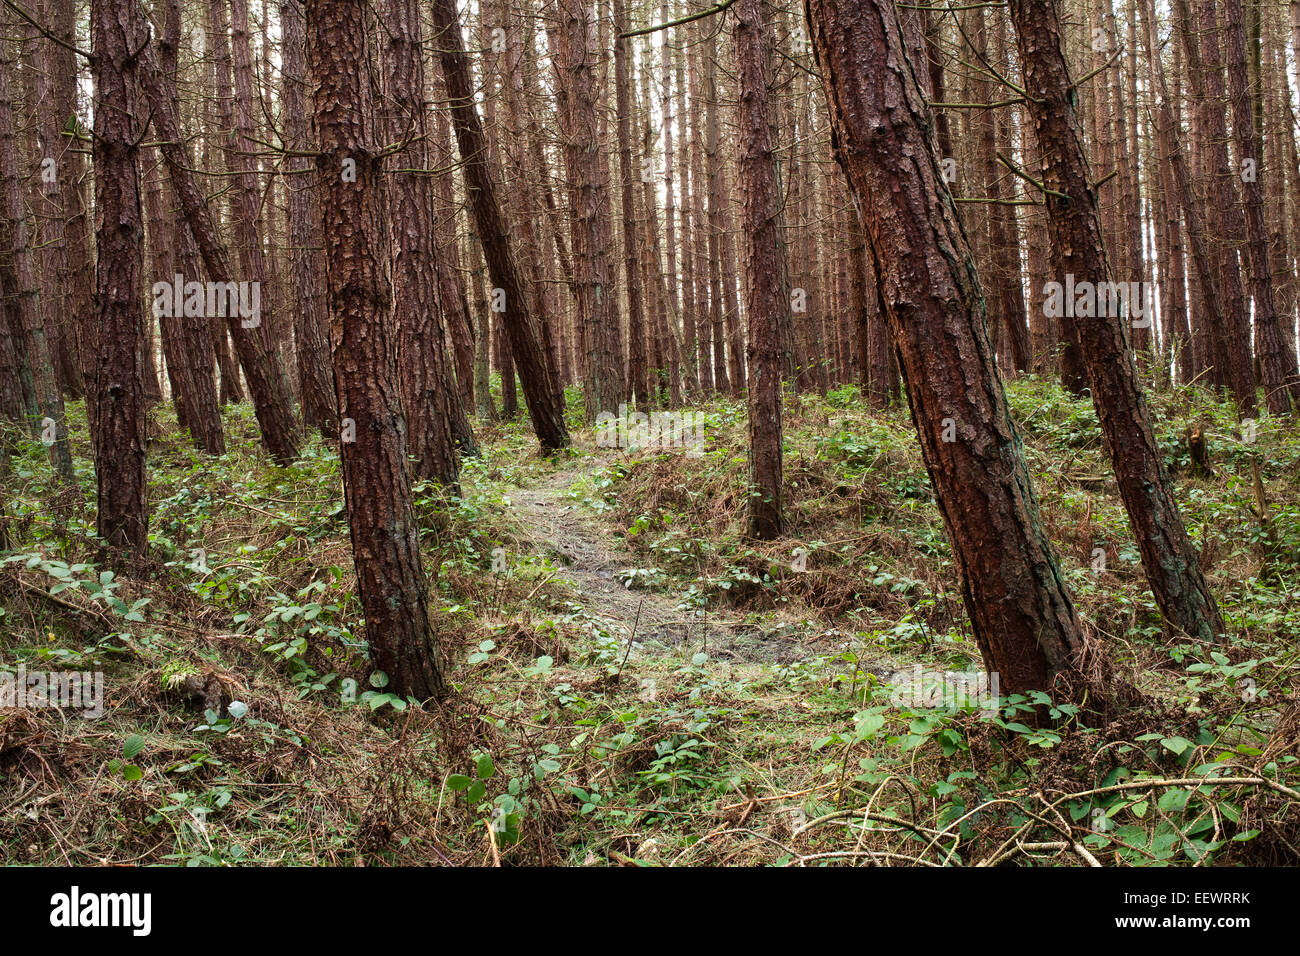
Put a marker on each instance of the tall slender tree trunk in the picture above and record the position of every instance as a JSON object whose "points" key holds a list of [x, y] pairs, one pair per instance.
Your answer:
{"points": [[48, 216], [266, 380], [18, 282], [1074, 224], [526, 342], [589, 203], [117, 31], [75, 269], [637, 372], [1205, 76], [717, 221], [1276, 360], [1021, 611], [376, 486], [306, 245], [430, 398], [767, 285], [192, 345]]}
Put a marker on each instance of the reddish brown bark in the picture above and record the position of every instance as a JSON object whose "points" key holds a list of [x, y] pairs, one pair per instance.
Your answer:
{"points": [[527, 344], [266, 381], [1074, 224], [376, 486], [1205, 76], [1276, 360], [190, 359], [637, 386], [767, 285], [430, 398], [18, 281], [589, 206], [1020, 610], [306, 261], [117, 31]]}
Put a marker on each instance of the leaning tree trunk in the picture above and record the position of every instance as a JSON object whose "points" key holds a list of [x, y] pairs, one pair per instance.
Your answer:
{"points": [[117, 31], [545, 406], [376, 485], [1020, 610], [261, 366], [1077, 248], [767, 285]]}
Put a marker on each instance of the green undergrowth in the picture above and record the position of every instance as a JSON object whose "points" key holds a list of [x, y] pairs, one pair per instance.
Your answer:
{"points": [[772, 723]]}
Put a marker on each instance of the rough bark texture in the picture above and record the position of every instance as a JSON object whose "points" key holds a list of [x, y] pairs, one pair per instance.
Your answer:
{"points": [[191, 334], [18, 283], [589, 204], [49, 213], [429, 394], [1276, 360], [1205, 75], [249, 228], [636, 383], [266, 381], [376, 486], [717, 222], [767, 286], [306, 262], [1077, 248], [526, 342], [1020, 610], [117, 31]]}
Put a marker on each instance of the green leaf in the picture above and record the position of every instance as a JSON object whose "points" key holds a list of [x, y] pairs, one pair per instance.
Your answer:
{"points": [[132, 747], [458, 782], [1173, 800], [484, 767], [132, 772]]}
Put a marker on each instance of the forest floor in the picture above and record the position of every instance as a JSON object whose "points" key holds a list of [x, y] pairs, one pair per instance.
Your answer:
{"points": [[635, 683]]}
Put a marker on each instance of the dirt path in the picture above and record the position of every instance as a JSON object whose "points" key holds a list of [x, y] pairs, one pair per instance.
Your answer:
{"points": [[593, 557]]}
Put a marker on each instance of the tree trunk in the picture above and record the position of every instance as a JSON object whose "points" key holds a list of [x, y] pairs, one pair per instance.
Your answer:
{"points": [[376, 486], [526, 342], [637, 372], [306, 258], [266, 381], [1205, 76], [18, 281], [192, 345], [430, 399], [589, 205], [117, 31], [1077, 249], [767, 285], [1021, 612], [1276, 360]]}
